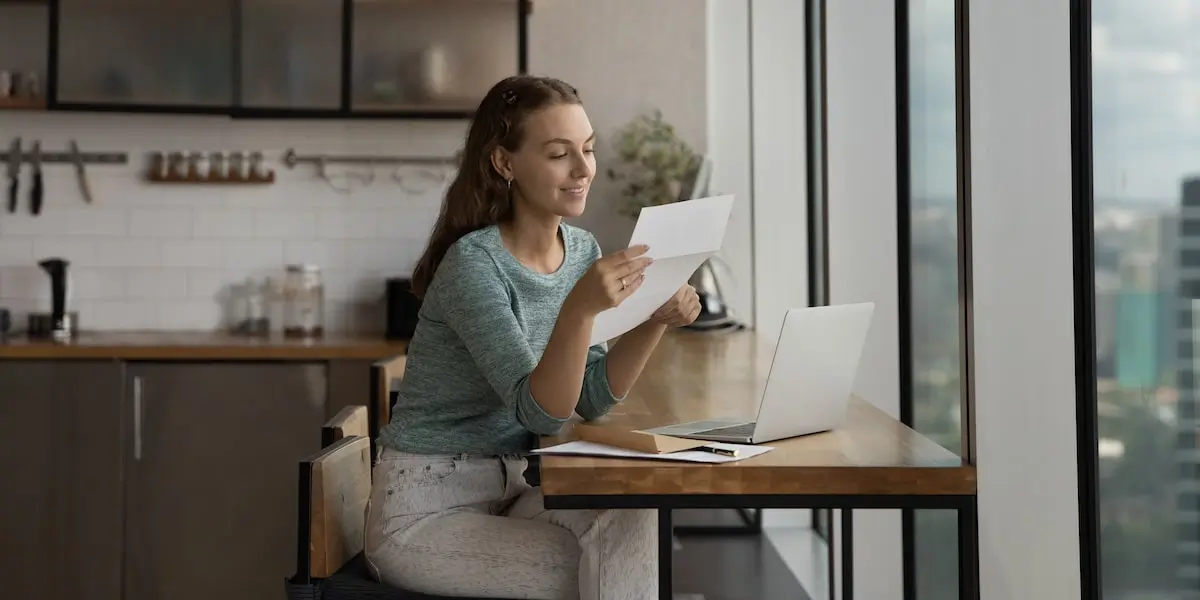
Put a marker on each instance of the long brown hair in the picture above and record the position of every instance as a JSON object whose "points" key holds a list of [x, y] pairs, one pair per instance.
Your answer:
{"points": [[479, 196]]}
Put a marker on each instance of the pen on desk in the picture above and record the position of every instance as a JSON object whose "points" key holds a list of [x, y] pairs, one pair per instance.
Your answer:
{"points": [[721, 451]]}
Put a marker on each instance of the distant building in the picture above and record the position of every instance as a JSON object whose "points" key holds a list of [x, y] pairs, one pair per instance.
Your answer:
{"points": [[1187, 323], [1140, 313]]}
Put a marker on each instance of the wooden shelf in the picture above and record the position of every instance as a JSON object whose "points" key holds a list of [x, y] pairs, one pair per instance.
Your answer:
{"points": [[196, 179], [22, 103]]}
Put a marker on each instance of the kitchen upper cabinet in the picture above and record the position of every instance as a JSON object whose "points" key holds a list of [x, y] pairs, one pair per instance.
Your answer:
{"points": [[167, 54], [291, 54], [24, 47], [283, 58], [61, 459], [431, 56], [211, 509]]}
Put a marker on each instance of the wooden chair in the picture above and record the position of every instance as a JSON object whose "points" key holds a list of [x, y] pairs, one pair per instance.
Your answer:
{"points": [[379, 406], [335, 485]]}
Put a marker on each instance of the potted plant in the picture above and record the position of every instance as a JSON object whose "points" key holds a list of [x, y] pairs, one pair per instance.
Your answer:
{"points": [[652, 163]]}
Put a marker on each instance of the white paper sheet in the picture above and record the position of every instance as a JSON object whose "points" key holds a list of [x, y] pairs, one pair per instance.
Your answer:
{"points": [[681, 236], [582, 448]]}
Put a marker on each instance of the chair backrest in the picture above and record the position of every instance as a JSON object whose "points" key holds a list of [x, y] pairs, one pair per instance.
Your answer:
{"points": [[335, 485], [349, 422], [379, 408]]}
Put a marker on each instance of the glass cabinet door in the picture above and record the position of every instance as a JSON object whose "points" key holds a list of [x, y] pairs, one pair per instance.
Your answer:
{"points": [[145, 53], [291, 53], [430, 55], [24, 31]]}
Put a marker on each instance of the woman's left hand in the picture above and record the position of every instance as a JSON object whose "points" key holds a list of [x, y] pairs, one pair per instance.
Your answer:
{"points": [[682, 309]]}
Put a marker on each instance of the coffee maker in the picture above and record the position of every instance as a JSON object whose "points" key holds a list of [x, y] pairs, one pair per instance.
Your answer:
{"points": [[60, 324]]}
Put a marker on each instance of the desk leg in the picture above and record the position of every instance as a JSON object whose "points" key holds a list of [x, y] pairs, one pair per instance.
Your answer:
{"points": [[666, 549], [968, 549], [847, 555]]}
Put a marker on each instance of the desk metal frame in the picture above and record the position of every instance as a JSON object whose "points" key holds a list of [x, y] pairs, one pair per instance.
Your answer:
{"points": [[965, 505]]}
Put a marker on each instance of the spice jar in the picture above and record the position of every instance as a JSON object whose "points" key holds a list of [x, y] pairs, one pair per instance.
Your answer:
{"points": [[303, 302]]}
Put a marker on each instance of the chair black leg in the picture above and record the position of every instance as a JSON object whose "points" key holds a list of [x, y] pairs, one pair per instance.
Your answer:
{"points": [[666, 549]]}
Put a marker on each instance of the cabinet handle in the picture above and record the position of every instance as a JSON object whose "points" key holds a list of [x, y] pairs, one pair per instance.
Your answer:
{"points": [[138, 414]]}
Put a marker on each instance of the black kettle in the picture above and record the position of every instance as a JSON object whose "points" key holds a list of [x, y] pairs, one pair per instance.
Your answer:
{"points": [[60, 324]]}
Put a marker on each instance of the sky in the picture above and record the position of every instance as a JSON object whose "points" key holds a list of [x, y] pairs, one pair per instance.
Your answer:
{"points": [[1145, 95]]}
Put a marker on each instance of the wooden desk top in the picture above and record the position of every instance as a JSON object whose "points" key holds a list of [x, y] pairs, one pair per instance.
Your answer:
{"points": [[694, 376], [200, 345]]}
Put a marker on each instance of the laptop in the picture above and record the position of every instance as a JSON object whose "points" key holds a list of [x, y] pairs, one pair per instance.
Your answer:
{"points": [[809, 385]]}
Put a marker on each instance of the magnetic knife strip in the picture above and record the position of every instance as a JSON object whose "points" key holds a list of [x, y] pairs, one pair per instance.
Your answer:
{"points": [[14, 158]]}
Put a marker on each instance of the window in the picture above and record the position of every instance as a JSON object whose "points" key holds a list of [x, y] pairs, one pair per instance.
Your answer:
{"points": [[1145, 61], [818, 224], [930, 279]]}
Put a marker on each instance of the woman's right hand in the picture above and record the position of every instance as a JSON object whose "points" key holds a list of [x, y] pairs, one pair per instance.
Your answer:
{"points": [[609, 281]]}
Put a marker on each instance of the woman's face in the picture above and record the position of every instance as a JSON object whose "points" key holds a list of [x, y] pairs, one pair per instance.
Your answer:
{"points": [[553, 169]]}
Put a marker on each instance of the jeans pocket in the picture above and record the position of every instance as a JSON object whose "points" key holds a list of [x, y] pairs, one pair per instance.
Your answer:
{"points": [[417, 487]]}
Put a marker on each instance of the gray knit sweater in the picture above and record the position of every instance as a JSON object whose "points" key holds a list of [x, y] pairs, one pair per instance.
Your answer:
{"points": [[482, 327]]}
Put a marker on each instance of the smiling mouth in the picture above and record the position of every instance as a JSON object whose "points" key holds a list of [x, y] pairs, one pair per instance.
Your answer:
{"points": [[574, 190]]}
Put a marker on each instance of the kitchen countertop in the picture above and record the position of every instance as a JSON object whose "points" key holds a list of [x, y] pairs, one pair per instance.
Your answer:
{"points": [[201, 345]]}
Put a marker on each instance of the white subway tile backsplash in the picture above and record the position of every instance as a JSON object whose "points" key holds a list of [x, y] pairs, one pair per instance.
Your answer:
{"points": [[94, 284], [121, 314], [15, 252], [173, 223], [322, 253], [193, 315], [157, 284], [96, 221], [150, 256], [126, 252], [223, 223], [347, 223], [252, 254], [26, 282], [284, 223], [79, 251], [208, 284]]}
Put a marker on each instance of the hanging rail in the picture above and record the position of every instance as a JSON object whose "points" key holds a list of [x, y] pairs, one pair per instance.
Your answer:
{"points": [[291, 159]]}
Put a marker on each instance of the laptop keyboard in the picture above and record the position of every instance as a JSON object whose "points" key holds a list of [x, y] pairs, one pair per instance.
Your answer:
{"points": [[745, 429]]}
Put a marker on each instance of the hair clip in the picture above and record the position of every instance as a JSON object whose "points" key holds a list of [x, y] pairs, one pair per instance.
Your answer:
{"points": [[510, 97]]}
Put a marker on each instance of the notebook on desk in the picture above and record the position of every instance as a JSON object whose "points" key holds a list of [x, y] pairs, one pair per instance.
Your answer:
{"points": [[712, 452], [809, 384]]}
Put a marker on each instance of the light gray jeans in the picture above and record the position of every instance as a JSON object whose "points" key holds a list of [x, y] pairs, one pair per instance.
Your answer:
{"points": [[471, 526]]}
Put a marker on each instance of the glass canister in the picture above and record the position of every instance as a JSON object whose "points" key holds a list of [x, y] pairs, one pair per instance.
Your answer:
{"points": [[303, 302]]}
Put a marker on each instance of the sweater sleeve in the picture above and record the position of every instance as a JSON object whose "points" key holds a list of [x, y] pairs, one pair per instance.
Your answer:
{"points": [[596, 397], [476, 304]]}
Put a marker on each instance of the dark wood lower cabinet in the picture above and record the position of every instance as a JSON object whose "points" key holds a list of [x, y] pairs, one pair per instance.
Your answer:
{"points": [[210, 497], [157, 481], [62, 492]]}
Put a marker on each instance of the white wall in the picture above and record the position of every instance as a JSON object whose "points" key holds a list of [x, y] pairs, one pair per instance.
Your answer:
{"points": [[729, 135], [1024, 344], [161, 257], [780, 161], [625, 61], [861, 99]]}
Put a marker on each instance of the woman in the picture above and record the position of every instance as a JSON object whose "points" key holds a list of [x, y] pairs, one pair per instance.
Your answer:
{"points": [[500, 355]]}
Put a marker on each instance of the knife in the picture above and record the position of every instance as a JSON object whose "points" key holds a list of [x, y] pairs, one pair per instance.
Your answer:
{"points": [[35, 194], [14, 174], [77, 158]]}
